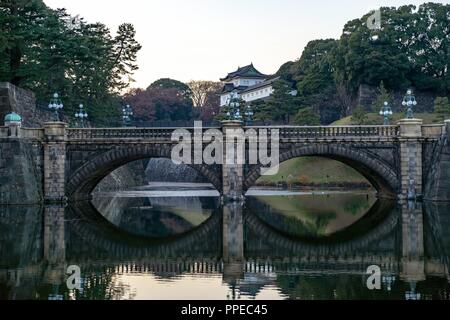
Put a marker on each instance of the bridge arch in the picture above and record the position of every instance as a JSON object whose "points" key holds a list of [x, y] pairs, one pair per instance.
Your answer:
{"points": [[84, 180], [380, 174]]}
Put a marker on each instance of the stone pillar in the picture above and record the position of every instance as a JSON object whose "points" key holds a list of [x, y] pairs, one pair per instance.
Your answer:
{"points": [[55, 161], [233, 243], [447, 127], [413, 263], [233, 160], [13, 130], [411, 159]]}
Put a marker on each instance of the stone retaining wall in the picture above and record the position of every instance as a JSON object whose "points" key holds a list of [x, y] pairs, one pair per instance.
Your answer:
{"points": [[20, 172], [438, 180], [367, 95]]}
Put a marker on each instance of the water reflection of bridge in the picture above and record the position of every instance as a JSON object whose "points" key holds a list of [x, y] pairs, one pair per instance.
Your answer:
{"points": [[410, 242]]}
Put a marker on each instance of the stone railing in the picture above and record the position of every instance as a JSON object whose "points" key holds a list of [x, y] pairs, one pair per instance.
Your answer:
{"points": [[433, 130], [120, 133], [297, 132], [157, 134], [25, 133], [4, 132], [286, 132], [32, 133]]}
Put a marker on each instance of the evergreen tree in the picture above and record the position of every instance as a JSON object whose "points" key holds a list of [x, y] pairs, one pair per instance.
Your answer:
{"points": [[382, 97], [411, 48], [359, 116], [281, 105], [442, 107], [49, 51], [307, 117]]}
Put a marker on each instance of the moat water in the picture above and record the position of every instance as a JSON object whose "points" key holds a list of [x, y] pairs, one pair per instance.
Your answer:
{"points": [[177, 241]]}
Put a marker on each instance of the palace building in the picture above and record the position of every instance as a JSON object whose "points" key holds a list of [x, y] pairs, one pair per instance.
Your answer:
{"points": [[247, 83]]}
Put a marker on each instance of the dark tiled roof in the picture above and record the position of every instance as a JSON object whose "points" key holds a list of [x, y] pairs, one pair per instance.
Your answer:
{"points": [[229, 87], [261, 85], [247, 71]]}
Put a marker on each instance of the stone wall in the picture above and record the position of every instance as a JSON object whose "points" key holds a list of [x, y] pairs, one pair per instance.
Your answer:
{"points": [[367, 96], [163, 169], [437, 187], [128, 176], [20, 174], [23, 102]]}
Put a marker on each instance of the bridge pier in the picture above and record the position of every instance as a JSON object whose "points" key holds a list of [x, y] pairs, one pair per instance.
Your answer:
{"points": [[55, 162], [413, 262], [54, 244], [411, 159], [233, 161], [233, 243]]}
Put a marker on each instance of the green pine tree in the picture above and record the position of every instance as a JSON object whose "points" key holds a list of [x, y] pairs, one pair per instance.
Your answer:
{"points": [[281, 105], [359, 116], [307, 117], [49, 51], [382, 97]]}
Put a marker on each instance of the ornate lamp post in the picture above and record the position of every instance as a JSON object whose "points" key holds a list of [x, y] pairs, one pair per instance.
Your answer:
{"points": [[237, 115], [55, 104], [249, 115], [127, 112], [81, 114], [386, 113], [409, 101], [233, 111]]}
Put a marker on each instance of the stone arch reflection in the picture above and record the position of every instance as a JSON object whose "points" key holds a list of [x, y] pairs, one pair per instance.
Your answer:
{"points": [[320, 217], [92, 230], [410, 244], [155, 216]]}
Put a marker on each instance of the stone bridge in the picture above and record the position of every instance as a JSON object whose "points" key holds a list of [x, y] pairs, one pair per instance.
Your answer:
{"points": [[407, 161]]}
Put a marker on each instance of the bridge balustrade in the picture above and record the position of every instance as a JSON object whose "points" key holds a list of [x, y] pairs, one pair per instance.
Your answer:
{"points": [[4, 132], [157, 134], [120, 133], [32, 133], [297, 132], [433, 130], [285, 132]]}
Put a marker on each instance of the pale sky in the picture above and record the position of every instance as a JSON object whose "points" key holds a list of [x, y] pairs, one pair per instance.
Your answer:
{"points": [[206, 39]]}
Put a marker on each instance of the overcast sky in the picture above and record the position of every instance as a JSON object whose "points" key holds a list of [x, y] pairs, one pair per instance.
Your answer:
{"points": [[206, 39]]}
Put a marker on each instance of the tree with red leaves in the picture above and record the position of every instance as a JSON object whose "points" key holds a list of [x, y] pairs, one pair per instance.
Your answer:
{"points": [[161, 103]]}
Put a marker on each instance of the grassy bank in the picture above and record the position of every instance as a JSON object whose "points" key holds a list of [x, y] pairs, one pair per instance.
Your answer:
{"points": [[314, 171], [376, 119]]}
